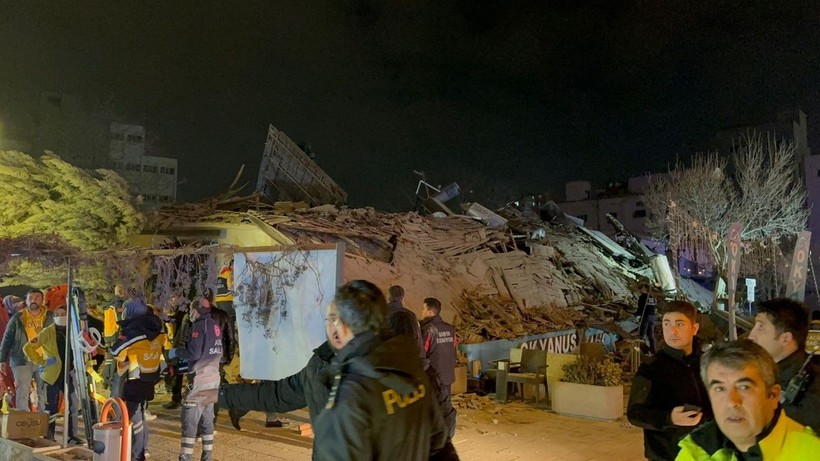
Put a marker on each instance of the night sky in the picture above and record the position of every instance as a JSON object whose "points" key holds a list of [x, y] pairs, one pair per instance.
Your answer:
{"points": [[500, 95]]}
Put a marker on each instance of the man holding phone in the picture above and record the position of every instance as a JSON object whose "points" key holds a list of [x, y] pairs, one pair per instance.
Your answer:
{"points": [[668, 399]]}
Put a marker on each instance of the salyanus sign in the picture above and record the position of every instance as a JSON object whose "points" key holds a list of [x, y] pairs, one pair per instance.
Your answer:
{"points": [[556, 342], [568, 342]]}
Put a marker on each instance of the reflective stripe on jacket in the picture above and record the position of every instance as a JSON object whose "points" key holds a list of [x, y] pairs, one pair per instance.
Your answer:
{"points": [[788, 441]]}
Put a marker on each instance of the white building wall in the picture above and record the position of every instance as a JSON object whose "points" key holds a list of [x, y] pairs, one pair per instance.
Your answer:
{"points": [[578, 190], [586, 210], [127, 143], [152, 178], [628, 209]]}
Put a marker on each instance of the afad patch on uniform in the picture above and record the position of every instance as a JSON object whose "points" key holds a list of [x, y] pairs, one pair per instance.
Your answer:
{"points": [[217, 330], [195, 334]]}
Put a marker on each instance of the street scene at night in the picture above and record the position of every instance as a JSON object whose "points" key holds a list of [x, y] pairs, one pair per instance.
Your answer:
{"points": [[371, 230]]}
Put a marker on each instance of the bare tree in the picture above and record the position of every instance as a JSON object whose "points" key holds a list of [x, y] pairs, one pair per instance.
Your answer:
{"points": [[693, 206]]}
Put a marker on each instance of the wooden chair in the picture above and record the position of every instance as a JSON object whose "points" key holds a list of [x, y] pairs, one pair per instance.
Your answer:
{"points": [[531, 370]]}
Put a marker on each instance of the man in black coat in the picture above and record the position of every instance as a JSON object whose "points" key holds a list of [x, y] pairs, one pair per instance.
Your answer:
{"points": [[398, 313], [313, 386], [380, 406], [781, 327], [439, 338], [668, 399]]}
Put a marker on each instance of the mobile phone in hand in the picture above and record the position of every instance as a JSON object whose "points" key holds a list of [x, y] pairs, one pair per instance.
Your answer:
{"points": [[690, 407]]}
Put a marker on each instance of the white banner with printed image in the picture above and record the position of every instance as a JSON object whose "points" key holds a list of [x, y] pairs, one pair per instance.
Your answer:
{"points": [[281, 298]]}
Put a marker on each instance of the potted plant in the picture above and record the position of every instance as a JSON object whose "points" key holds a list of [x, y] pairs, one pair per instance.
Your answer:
{"points": [[591, 388]]}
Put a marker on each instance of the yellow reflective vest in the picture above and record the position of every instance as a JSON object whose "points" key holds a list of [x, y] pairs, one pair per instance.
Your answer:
{"points": [[40, 348], [788, 441]]}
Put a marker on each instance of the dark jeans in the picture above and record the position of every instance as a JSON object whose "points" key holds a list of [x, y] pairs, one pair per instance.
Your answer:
{"points": [[222, 380], [52, 405], [175, 382], [647, 331]]}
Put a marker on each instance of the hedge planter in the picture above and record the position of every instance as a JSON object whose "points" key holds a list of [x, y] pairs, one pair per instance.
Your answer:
{"points": [[587, 401]]}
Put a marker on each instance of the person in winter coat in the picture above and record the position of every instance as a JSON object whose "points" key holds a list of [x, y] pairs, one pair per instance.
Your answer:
{"points": [[781, 327], [138, 352], [226, 325], [665, 384], [439, 338], [181, 324], [203, 354], [380, 406], [398, 313], [749, 422], [52, 342], [402, 325], [310, 387], [23, 327], [11, 304]]}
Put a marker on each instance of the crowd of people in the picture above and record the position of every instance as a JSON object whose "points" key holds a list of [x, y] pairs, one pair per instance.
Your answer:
{"points": [[750, 399], [378, 360], [379, 387]]}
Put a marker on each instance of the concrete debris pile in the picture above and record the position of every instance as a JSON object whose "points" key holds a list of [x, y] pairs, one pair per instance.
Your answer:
{"points": [[489, 287], [377, 235], [491, 283], [483, 317], [472, 401]]}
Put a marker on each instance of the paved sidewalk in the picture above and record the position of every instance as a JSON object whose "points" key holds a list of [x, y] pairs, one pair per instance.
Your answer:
{"points": [[253, 443], [513, 431]]}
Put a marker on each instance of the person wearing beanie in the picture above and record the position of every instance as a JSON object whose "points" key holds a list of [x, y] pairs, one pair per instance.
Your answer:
{"points": [[138, 351], [203, 353]]}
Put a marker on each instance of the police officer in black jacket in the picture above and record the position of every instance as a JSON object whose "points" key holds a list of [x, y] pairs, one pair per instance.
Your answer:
{"points": [[668, 399], [380, 406], [360, 375]]}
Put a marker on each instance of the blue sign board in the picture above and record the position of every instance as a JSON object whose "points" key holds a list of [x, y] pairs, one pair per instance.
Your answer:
{"points": [[556, 342]]}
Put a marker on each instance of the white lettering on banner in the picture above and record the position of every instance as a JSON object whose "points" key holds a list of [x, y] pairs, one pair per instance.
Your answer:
{"points": [[562, 344]]}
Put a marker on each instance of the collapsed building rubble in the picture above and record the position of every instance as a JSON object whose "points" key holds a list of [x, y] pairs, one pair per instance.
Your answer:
{"points": [[492, 282]]}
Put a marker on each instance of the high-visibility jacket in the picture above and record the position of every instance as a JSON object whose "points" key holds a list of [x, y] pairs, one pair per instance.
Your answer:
{"points": [[112, 314], [40, 348], [138, 351], [787, 441]]}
